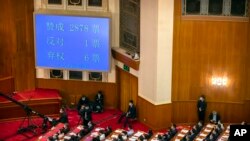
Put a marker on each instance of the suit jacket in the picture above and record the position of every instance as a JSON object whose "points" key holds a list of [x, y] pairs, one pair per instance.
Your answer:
{"points": [[202, 105], [63, 118], [131, 111], [86, 114], [99, 100], [217, 117]]}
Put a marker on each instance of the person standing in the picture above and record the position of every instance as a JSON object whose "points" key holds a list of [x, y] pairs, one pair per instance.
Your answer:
{"points": [[86, 114], [201, 108]]}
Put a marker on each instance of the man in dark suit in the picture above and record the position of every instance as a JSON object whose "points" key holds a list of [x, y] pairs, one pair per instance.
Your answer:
{"points": [[201, 108], [130, 114], [99, 102], [82, 101], [86, 114], [63, 118], [214, 117]]}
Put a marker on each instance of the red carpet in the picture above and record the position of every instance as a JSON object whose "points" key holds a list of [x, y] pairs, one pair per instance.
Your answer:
{"points": [[8, 130]]}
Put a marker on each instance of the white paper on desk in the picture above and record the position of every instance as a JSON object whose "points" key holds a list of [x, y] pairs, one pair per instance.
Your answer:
{"points": [[72, 133], [133, 138], [138, 134], [199, 139], [203, 135], [207, 130], [154, 140], [98, 129], [108, 140], [94, 134], [209, 126], [181, 135], [67, 137], [184, 130], [177, 140], [118, 131], [114, 136], [225, 136]]}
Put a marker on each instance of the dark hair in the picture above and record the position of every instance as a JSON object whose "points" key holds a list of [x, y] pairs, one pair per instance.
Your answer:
{"points": [[131, 101], [174, 125], [203, 96]]}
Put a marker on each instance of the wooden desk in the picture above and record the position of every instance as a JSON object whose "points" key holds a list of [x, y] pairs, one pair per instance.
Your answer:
{"points": [[50, 133], [114, 134], [92, 134], [205, 132], [75, 131], [225, 135], [136, 136], [154, 137], [180, 135]]}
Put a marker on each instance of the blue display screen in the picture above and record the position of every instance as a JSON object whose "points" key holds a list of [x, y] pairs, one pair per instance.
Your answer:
{"points": [[72, 42]]}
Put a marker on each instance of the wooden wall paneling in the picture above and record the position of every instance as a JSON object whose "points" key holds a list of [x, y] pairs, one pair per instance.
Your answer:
{"points": [[72, 90], [230, 112], [7, 85], [202, 49], [128, 88], [124, 90], [155, 116], [6, 40], [17, 51], [247, 114], [24, 67], [248, 58]]}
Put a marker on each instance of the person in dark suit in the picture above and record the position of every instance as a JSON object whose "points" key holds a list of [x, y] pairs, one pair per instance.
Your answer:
{"points": [[99, 102], [172, 130], [130, 114], [82, 101], [63, 116], [201, 108], [86, 114], [214, 117]]}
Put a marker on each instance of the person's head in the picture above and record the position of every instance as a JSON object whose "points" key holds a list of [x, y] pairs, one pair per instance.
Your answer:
{"points": [[243, 123], [150, 132], [108, 128], [211, 137], [202, 98], [83, 98], [62, 110], [173, 126], [131, 103], [200, 123], [66, 125]]}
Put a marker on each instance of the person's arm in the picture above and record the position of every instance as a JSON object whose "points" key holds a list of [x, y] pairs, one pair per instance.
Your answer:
{"points": [[133, 112]]}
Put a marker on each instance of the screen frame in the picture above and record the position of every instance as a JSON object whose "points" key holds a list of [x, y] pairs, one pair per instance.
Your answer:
{"points": [[76, 14]]}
